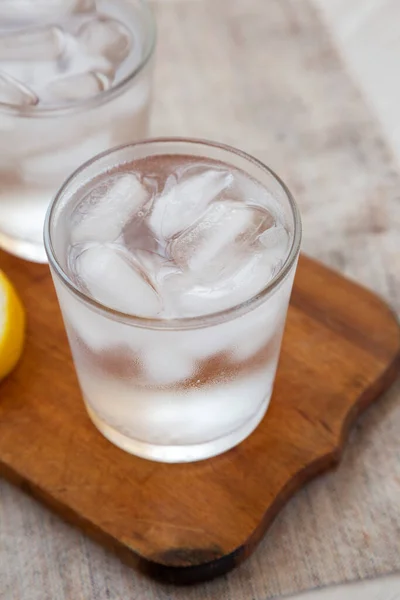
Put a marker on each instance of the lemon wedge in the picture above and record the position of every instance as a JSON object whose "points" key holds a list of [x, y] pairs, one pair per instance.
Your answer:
{"points": [[12, 326]]}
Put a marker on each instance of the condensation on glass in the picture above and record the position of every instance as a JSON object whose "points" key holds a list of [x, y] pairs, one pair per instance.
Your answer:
{"points": [[173, 262]]}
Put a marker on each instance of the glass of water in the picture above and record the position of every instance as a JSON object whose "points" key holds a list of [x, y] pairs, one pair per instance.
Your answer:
{"points": [[173, 261], [75, 79]]}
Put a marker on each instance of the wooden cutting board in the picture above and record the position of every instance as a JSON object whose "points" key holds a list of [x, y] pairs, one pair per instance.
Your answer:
{"points": [[192, 522]]}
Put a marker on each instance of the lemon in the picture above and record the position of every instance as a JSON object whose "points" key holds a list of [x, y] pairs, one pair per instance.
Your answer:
{"points": [[12, 326]]}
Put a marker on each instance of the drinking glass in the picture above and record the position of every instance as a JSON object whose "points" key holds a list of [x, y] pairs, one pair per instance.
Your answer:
{"points": [[232, 354], [40, 144]]}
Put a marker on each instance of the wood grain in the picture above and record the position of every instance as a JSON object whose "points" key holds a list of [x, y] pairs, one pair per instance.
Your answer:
{"points": [[192, 522]]}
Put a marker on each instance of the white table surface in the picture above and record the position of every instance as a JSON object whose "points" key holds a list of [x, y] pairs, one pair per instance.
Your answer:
{"points": [[387, 588], [367, 35]]}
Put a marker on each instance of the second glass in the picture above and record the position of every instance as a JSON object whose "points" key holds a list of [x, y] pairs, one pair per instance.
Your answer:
{"points": [[75, 79]]}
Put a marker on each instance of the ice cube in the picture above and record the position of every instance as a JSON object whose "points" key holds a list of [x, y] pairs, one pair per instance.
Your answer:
{"points": [[221, 259], [104, 212], [156, 265], [99, 333], [260, 326], [109, 276], [218, 229], [204, 343], [166, 365], [76, 60], [106, 37], [253, 193], [15, 93], [220, 240], [276, 241], [42, 43], [95, 331], [235, 287], [79, 86], [182, 203], [251, 275], [34, 75]]}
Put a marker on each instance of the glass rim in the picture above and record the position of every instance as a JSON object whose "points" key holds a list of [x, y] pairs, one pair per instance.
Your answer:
{"points": [[178, 323], [34, 112]]}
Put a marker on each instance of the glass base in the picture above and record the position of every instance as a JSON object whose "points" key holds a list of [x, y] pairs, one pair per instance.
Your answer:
{"points": [[179, 454], [32, 251]]}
